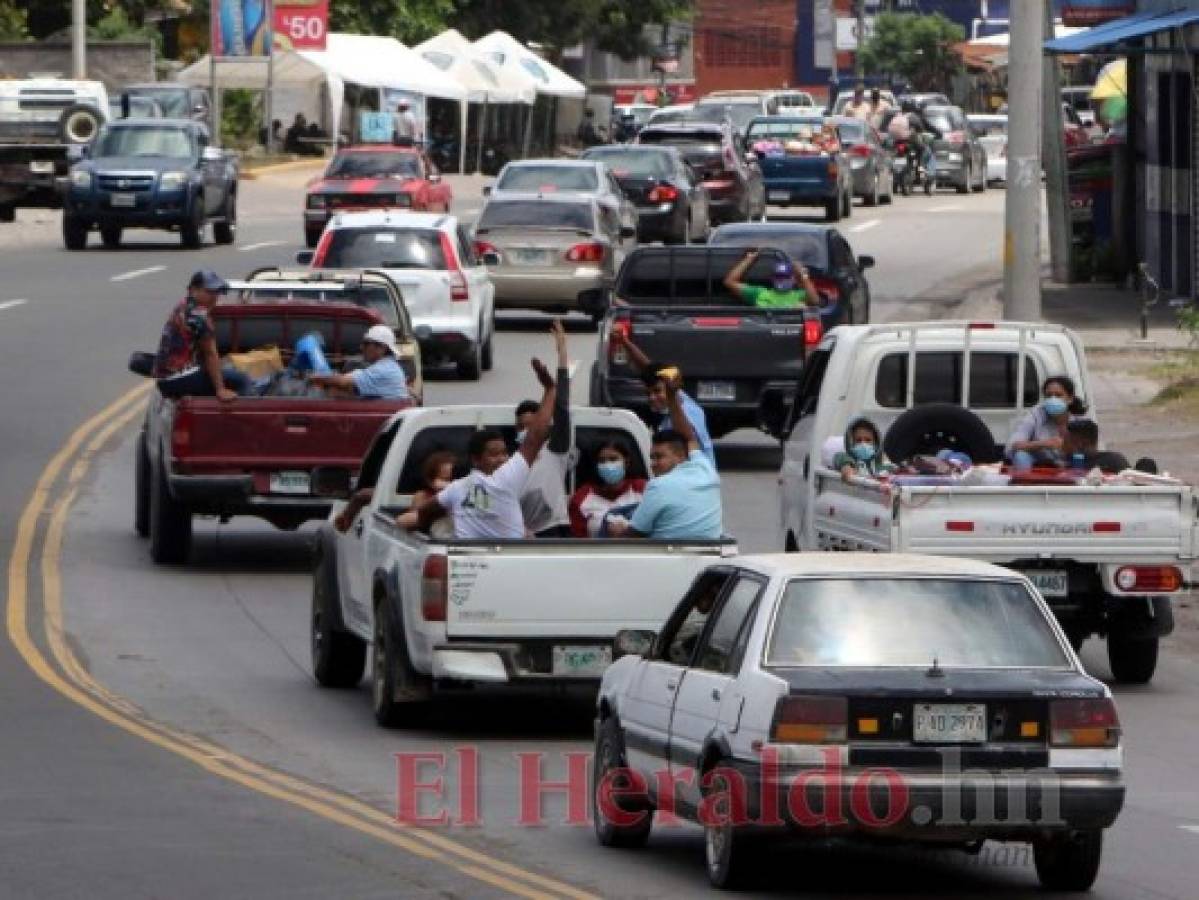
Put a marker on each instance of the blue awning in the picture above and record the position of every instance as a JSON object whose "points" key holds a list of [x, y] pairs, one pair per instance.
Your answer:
{"points": [[1117, 33]]}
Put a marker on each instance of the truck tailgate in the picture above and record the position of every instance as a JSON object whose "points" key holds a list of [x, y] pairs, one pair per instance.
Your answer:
{"points": [[517, 590], [811, 174]]}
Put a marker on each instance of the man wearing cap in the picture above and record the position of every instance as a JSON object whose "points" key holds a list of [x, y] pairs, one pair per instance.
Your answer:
{"points": [[784, 292], [381, 378], [187, 362], [404, 124]]}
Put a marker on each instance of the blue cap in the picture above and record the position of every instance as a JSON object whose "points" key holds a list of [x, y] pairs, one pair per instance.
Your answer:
{"points": [[784, 269], [210, 281]]}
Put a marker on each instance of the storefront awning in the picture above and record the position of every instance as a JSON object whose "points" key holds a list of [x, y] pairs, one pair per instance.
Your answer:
{"points": [[1114, 36]]}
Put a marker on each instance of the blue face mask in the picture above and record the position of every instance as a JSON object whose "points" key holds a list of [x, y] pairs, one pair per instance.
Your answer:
{"points": [[863, 452], [1055, 406], [610, 472]]}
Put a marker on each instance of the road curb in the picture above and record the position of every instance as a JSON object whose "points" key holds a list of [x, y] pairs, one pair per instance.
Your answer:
{"points": [[273, 168]]}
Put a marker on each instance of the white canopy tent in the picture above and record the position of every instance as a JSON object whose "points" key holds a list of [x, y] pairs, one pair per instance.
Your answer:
{"points": [[511, 56]]}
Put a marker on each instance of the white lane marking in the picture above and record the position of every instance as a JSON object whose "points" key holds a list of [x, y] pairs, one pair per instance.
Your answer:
{"points": [[9, 304], [137, 273], [260, 245], [865, 226], [1193, 829], [950, 208]]}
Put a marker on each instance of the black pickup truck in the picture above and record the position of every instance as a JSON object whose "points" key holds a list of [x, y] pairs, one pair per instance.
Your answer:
{"points": [[740, 363]]}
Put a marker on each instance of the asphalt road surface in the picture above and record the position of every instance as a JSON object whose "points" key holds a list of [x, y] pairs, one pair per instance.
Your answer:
{"points": [[163, 736]]}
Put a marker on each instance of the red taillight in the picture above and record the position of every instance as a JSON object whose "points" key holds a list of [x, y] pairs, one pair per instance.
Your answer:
{"points": [[1086, 722], [982, 326], [484, 247], [813, 332], [1106, 528], [663, 193], [1149, 579], [859, 150], [616, 349], [959, 525], [181, 432], [458, 288], [810, 720], [901, 148], [434, 588], [591, 253]]}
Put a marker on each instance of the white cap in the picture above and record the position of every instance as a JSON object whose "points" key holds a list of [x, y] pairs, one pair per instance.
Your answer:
{"points": [[382, 334]]}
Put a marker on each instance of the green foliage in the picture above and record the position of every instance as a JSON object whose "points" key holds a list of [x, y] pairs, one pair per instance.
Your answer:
{"points": [[14, 22], [410, 21], [115, 25], [1188, 323], [916, 48], [241, 117]]}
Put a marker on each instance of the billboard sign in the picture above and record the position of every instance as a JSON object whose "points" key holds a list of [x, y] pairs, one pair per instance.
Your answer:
{"points": [[1086, 13], [301, 24], [240, 28]]}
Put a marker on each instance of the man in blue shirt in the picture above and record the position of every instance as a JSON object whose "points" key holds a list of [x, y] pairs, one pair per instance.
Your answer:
{"points": [[381, 378], [682, 501]]}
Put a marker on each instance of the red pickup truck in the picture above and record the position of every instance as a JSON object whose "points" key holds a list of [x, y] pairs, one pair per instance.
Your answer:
{"points": [[256, 456]]}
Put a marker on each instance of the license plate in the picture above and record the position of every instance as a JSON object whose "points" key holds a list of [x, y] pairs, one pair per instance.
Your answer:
{"points": [[42, 167], [589, 661], [1050, 582], [717, 390], [949, 723], [127, 200], [532, 257], [779, 195], [290, 483]]}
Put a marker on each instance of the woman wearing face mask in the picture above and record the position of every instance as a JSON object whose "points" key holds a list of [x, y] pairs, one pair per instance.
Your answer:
{"points": [[1038, 439], [615, 493], [863, 456]]}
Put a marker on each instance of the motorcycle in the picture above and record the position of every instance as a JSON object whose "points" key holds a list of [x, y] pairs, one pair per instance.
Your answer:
{"points": [[901, 167]]}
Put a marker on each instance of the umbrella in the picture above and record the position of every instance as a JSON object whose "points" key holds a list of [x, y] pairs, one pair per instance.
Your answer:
{"points": [[1112, 81]]}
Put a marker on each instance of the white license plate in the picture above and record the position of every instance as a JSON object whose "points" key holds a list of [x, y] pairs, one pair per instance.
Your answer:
{"points": [[949, 723], [290, 483], [717, 390], [779, 195], [127, 200], [533, 257], [42, 167], [581, 660], [1050, 582]]}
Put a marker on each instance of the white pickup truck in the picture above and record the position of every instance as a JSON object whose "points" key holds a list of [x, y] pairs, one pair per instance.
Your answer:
{"points": [[1106, 557], [448, 615]]}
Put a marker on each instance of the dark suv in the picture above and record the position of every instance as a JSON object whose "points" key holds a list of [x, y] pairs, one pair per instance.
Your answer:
{"points": [[734, 183]]}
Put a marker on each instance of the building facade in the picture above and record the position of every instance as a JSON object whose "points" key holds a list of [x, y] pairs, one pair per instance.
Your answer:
{"points": [[744, 45]]}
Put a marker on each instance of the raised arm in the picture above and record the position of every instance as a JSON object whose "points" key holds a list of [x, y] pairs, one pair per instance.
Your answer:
{"points": [[539, 428], [560, 430], [678, 416], [733, 281], [638, 361]]}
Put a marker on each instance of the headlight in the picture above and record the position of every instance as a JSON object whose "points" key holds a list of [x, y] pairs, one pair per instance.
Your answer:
{"points": [[172, 180], [316, 201], [81, 179]]}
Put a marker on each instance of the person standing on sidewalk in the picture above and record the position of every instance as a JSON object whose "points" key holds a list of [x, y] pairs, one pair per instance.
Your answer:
{"points": [[405, 127]]}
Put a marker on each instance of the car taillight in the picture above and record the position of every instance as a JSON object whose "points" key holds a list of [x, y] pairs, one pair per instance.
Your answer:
{"points": [[810, 720], [616, 349], [1146, 579], [663, 193], [590, 252], [1085, 722], [813, 332], [483, 247], [458, 289], [434, 588], [181, 432], [833, 169], [859, 150], [901, 148]]}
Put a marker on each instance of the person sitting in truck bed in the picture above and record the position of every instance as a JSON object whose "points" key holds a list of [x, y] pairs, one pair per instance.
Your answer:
{"points": [[1040, 436], [863, 454], [614, 494], [1082, 439], [382, 378], [682, 500], [437, 472], [187, 362], [790, 287], [543, 499]]}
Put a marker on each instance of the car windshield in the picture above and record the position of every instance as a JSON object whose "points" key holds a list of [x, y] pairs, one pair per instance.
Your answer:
{"points": [[372, 296], [139, 108], [765, 129], [384, 248], [944, 118], [535, 214], [805, 248], [172, 143], [548, 178], [374, 165], [646, 163], [174, 102], [740, 114], [912, 622]]}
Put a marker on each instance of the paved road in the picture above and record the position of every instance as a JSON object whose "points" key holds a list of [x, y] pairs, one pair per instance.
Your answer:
{"points": [[217, 651]]}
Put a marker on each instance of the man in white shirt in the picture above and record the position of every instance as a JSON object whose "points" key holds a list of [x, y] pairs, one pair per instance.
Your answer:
{"points": [[404, 124], [543, 499]]}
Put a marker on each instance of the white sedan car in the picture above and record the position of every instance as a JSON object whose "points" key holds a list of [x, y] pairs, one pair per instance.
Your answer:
{"points": [[992, 134], [886, 696]]}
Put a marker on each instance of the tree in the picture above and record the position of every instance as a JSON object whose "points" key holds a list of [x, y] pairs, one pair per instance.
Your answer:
{"points": [[14, 24], [917, 48], [411, 21]]}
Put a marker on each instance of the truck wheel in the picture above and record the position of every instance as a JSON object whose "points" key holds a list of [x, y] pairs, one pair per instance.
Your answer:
{"points": [[225, 232], [610, 760], [79, 124], [872, 197], [141, 489], [191, 232], [74, 232], [832, 209], [470, 367], [338, 657], [964, 187], [8, 212], [935, 426], [847, 205], [728, 855], [387, 677], [1069, 863], [1133, 660], [110, 236], [488, 353], [170, 523]]}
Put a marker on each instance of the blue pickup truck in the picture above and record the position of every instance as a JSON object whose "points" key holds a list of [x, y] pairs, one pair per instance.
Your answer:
{"points": [[151, 173], [795, 171]]}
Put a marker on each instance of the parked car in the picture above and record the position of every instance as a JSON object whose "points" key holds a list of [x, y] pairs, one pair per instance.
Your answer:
{"points": [[870, 162], [809, 176], [734, 184], [574, 176], [431, 260], [991, 131], [961, 159], [374, 176], [555, 252], [671, 202], [782, 687], [839, 275], [151, 173]]}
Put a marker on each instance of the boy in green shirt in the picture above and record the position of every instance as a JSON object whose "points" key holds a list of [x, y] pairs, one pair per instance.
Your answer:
{"points": [[785, 292]]}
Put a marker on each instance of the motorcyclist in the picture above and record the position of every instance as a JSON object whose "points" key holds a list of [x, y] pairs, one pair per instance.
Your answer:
{"points": [[920, 141]]}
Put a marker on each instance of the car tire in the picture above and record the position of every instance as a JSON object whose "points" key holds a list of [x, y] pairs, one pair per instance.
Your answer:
{"points": [[934, 426], [832, 209], [847, 205], [225, 231], [1070, 862], [110, 236], [141, 488], [170, 523], [191, 232], [609, 757], [967, 180], [1132, 660], [684, 236], [79, 124], [389, 665], [470, 367], [74, 232], [981, 186], [872, 199], [8, 212], [487, 357], [728, 854], [338, 657]]}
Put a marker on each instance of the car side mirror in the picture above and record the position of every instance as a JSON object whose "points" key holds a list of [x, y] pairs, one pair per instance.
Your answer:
{"points": [[141, 363], [491, 259], [632, 642], [304, 257], [333, 482], [865, 262]]}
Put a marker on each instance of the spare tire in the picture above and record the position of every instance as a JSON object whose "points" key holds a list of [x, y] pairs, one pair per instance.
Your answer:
{"points": [[939, 426], [79, 124]]}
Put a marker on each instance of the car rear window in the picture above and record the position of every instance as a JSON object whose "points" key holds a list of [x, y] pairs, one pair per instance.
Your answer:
{"points": [[646, 163], [535, 214], [945, 118], [374, 165], [993, 378], [781, 130], [665, 277], [538, 178], [955, 622], [808, 249], [374, 297], [681, 138], [384, 248]]}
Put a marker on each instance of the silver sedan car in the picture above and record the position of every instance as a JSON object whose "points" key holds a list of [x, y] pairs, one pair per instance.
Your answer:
{"points": [[575, 176]]}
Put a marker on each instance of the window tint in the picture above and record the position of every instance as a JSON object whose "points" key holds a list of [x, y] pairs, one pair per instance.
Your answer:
{"points": [[372, 463], [384, 248], [541, 178], [842, 255], [806, 248], [716, 653], [374, 165], [685, 626], [172, 143], [655, 277], [373, 296], [536, 214], [808, 394], [939, 380]]}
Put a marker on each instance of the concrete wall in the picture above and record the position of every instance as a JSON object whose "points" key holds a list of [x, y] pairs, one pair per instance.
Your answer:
{"points": [[116, 63]]}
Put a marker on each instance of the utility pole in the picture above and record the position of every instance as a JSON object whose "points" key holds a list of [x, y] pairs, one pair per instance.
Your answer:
{"points": [[79, 39], [859, 8], [1022, 216], [1057, 193]]}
